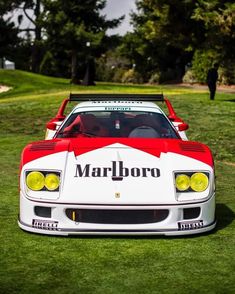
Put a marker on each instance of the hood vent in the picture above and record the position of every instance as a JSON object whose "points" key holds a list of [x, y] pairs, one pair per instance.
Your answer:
{"points": [[44, 145], [192, 147]]}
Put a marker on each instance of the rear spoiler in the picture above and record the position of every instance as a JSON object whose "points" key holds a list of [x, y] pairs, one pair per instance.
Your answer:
{"points": [[60, 116], [118, 97], [126, 97]]}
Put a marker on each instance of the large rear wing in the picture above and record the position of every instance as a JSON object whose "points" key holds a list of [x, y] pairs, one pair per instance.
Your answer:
{"points": [[118, 97], [60, 116], [126, 97]]}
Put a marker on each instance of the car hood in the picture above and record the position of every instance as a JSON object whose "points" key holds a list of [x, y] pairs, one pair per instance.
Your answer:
{"points": [[115, 171]]}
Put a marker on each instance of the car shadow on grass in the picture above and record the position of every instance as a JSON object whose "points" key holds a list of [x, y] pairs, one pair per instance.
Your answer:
{"points": [[224, 216]]}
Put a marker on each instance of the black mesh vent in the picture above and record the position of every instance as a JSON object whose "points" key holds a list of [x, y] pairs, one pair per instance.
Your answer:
{"points": [[44, 145], [42, 211], [117, 216], [195, 147], [190, 213]]}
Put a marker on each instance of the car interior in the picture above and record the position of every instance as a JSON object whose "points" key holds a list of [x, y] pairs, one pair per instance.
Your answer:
{"points": [[117, 124]]}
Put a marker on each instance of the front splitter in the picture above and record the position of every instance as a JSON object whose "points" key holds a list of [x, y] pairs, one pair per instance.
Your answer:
{"points": [[67, 232]]}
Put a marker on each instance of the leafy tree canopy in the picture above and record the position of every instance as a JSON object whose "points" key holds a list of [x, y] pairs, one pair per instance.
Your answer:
{"points": [[218, 18], [77, 26], [168, 33], [8, 31]]}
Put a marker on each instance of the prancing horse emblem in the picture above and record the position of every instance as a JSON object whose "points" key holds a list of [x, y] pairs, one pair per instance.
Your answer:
{"points": [[117, 195]]}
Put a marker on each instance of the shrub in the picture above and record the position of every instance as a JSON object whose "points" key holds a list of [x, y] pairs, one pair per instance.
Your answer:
{"points": [[155, 78], [118, 74], [104, 72], [205, 59], [189, 77], [110, 67], [131, 76], [202, 61], [227, 73]]}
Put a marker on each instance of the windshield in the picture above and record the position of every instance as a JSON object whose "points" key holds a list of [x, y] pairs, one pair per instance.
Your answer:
{"points": [[132, 124]]}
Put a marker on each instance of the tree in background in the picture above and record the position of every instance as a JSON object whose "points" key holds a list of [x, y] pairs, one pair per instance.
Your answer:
{"points": [[34, 6], [59, 30], [32, 36], [168, 35], [164, 37], [8, 31], [218, 19], [77, 28]]}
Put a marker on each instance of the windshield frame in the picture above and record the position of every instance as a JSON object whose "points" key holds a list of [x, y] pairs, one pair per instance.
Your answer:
{"points": [[113, 109]]}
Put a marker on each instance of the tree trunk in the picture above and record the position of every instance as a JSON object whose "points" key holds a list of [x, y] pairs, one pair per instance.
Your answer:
{"points": [[36, 49], [89, 78], [74, 75]]}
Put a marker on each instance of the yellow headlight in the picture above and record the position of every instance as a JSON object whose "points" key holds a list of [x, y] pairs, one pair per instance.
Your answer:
{"points": [[52, 182], [182, 182], [199, 182], [35, 181]]}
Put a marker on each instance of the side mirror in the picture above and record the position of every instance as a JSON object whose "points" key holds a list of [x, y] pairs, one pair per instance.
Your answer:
{"points": [[55, 122], [51, 126], [183, 127]]}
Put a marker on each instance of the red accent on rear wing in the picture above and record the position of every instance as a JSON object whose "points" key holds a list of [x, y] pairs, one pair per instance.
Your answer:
{"points": [[172, 114], [60, 114], [92, 97], [51, 125], [144, 97]]}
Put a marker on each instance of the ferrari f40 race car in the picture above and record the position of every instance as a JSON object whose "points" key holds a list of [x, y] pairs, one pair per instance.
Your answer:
{"points": [[117, 164]]}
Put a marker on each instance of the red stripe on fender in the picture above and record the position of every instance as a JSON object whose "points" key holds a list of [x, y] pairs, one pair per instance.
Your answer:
{"points": [[40, 149]]}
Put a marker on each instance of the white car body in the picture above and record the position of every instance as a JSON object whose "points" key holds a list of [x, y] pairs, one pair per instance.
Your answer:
{"points": [[117, 185]]}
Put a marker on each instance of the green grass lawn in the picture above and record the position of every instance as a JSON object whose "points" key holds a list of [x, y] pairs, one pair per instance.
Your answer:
{"points": [[35, 264]]}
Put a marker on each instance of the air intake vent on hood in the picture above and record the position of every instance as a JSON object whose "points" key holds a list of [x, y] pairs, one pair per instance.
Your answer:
{"points": [[44, 145], [192, 147]]}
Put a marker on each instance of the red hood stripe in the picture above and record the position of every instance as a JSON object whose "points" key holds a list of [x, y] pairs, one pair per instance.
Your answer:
{"points": [[80, 146]]}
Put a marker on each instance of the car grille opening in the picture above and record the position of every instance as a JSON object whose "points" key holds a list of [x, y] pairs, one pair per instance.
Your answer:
{"points": [[113, 216]]}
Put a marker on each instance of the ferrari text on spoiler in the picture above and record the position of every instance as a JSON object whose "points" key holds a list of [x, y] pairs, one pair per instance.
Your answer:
{"points": [[117, 164]]}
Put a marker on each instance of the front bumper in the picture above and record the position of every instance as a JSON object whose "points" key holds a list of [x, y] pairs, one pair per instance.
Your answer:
{"points": [[176, 222]]}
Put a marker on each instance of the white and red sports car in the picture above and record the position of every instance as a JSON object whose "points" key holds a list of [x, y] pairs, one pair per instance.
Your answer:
{"points": [[117, 164]]}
